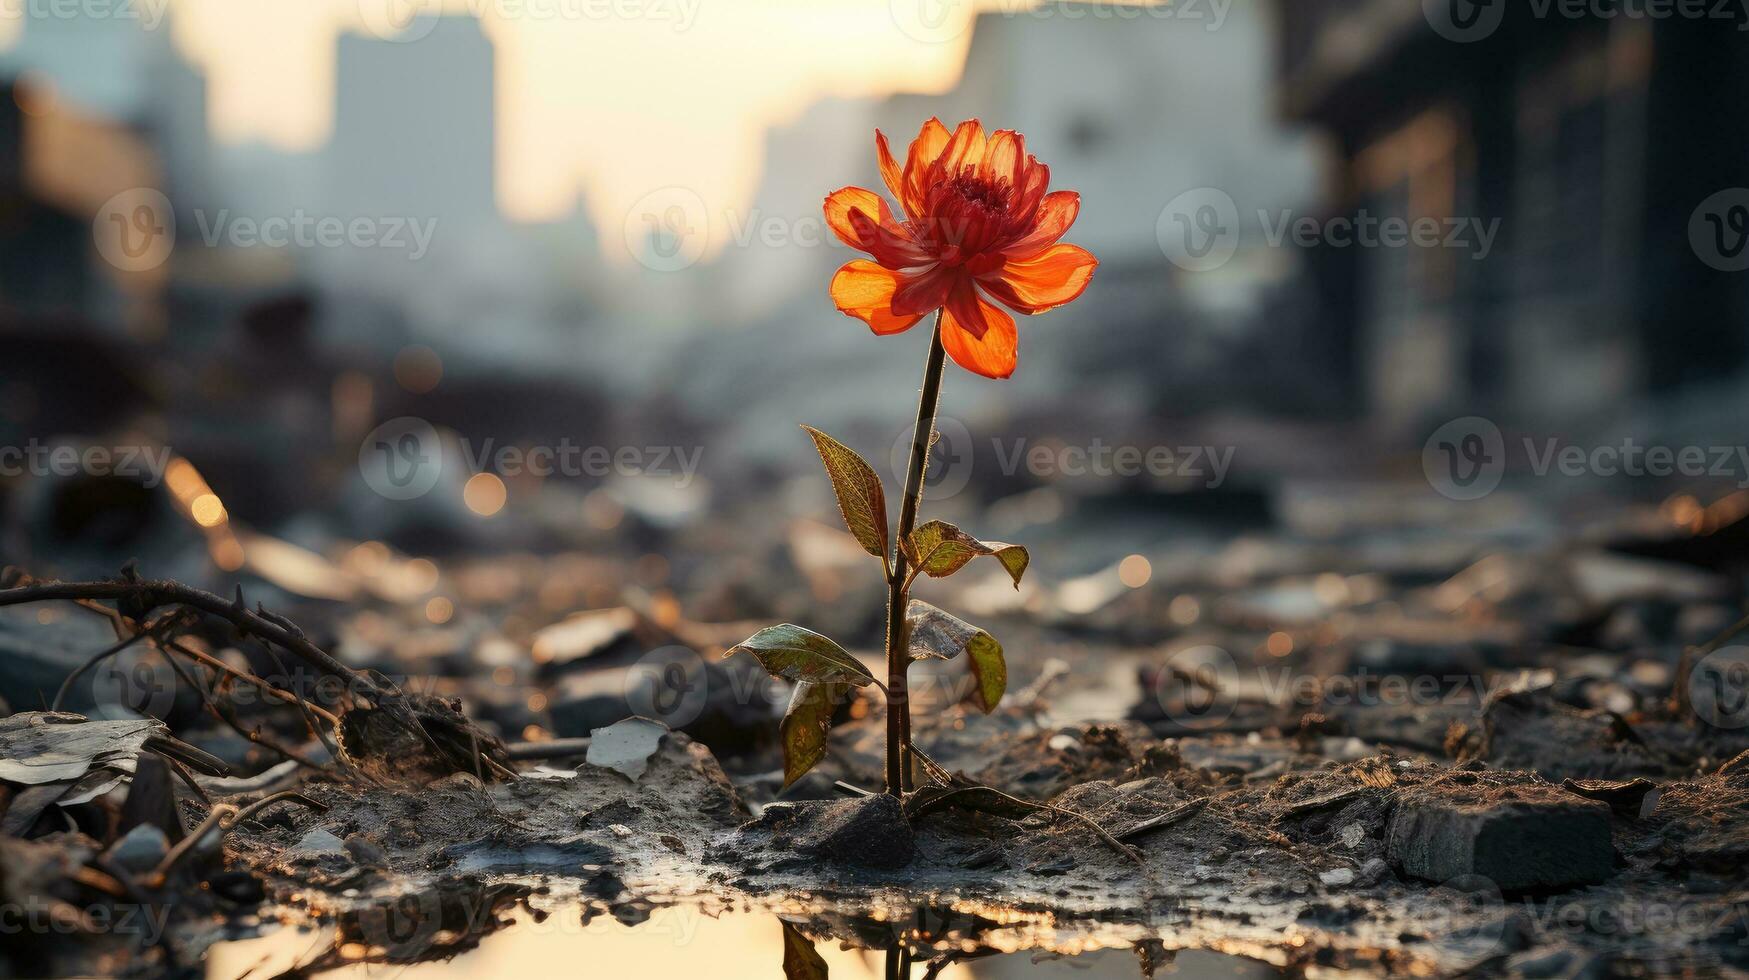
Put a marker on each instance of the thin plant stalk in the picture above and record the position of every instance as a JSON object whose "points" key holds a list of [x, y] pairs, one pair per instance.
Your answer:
{"points": [[898, 582]]}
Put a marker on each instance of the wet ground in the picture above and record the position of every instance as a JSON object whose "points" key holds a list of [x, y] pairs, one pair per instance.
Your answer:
{"points": [[1370, 734]]}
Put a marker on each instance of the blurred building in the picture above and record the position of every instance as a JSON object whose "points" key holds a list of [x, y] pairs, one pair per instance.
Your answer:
{"points": [[128, 72], [1596, 141], [414, 125]]}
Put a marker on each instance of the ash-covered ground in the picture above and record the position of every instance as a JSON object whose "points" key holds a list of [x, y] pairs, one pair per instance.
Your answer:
{"points": [[1351, 731]]}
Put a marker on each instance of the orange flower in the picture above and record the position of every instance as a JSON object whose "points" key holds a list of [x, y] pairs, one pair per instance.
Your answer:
{"points": [[976, 221]]}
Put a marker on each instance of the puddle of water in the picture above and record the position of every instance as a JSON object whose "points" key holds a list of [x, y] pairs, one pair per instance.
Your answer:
{"points": [[674, 941]]}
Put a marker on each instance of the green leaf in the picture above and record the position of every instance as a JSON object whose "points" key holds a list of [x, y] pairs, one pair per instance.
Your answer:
{"points": [[797, 654], [805, 724], [800, 961], [860, 498], [933, 633], [940, 549]]}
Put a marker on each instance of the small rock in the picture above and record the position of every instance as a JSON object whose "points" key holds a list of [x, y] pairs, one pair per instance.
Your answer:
{"points": [[140, 849], [1522, 838], [365, 851], [317, 843], [1352, 835], [465, 781], [626, 746], [1374, 871], [1337, 877]]}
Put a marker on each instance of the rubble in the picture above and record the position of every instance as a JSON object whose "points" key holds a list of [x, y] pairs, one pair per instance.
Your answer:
{"points": [[1424, 765], [1519, 836]]}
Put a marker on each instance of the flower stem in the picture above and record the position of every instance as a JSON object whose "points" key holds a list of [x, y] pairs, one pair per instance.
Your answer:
{"points": [[899, 583]]}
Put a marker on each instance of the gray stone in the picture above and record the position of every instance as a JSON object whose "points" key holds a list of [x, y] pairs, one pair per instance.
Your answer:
{"points": [[1522, 838], [318, 843], [140, 849]]}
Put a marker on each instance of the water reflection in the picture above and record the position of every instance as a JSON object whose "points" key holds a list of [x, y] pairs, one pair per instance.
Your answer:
{"points": [[685, 940]]}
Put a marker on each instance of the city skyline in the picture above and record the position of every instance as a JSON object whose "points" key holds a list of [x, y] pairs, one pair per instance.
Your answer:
{"points": [[704, 88]]}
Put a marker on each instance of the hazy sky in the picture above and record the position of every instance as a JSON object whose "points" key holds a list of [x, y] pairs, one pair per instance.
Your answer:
{"points": [[619, 95]]}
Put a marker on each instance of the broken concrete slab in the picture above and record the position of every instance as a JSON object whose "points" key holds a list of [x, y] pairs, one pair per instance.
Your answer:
{"points": [[1523, 838]]}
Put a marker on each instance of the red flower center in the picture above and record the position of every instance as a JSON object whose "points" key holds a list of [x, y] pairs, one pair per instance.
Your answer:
{"points": [[991, 196]]}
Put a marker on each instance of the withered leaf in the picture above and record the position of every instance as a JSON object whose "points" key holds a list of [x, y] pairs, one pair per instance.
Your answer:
{"points": [[934, 633], [860, 497], [796, 654], [805, 725], [800, 961], [940, 549]]}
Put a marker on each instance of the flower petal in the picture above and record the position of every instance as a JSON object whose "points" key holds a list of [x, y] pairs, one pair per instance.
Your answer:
{"points": [[1003, 157], [841, 202], [925, 150], [1052, 220], [921, 294], [864, 290], [965, 149], [891, 244], [979, 335], [1047, 280], [1035, 179], [891, 173]]}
